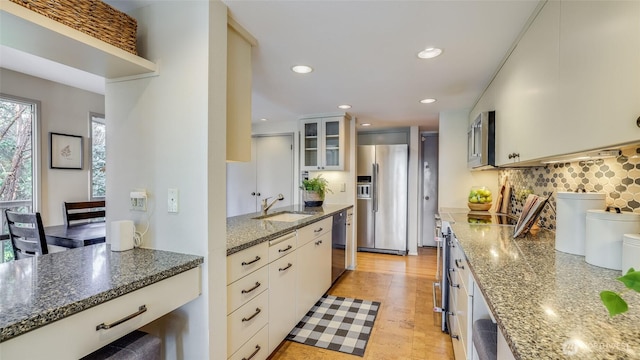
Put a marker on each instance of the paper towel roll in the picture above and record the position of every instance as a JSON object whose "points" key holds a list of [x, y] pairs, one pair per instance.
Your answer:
{"points": [[122, 235]]}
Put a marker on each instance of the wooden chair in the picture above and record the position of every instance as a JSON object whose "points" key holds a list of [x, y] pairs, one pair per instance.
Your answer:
{"points": [[76, 213], [27, 234]]}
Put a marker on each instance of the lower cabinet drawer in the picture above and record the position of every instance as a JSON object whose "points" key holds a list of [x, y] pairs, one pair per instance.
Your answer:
{"points": [[76, 336], [256, 348], [247, 288], [459, 345], [247, 261], [245, 322]]}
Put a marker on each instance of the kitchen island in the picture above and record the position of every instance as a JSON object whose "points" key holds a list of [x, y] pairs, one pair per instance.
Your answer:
{"points": [[244, 231], [68, 294], [546, 303]]}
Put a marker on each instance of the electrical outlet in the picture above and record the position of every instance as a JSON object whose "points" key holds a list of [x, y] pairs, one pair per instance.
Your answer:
{"points": [[172, 200], [138, 200]]}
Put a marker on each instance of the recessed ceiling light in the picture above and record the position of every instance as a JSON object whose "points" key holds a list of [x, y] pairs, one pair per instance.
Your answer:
{"points": [[365, 124], [263, 119], [427, 101], [429, 53], [344, 106], [302, 69]]}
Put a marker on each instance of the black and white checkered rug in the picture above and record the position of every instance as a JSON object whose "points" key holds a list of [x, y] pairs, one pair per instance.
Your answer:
{"points": [[337, 323]]}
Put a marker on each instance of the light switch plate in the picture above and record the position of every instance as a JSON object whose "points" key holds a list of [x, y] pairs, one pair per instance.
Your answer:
{"points": [[172, 200]]}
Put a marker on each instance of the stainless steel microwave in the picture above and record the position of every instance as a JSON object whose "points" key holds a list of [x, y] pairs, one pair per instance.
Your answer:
{"points": [[481, 142]]}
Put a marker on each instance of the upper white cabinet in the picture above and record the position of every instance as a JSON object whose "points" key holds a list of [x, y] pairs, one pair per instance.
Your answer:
{"points": [[599, 74], [239, 44], [323, 143], [571, 84], [32, 33], [525, 91]]}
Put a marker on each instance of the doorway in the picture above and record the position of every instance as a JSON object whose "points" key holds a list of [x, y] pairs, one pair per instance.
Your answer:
{"points": [[429, 189], [269, 173]]}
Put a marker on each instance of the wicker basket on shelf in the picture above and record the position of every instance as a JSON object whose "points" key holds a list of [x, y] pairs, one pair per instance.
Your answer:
{"points": [[92, 17]]}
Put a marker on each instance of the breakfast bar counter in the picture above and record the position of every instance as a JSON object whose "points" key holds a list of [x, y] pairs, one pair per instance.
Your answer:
{"points": [[546, 303], [49, 289]]}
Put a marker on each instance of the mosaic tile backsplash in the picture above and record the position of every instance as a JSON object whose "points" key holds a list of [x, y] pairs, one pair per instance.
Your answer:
{"points": [[618, 178]]}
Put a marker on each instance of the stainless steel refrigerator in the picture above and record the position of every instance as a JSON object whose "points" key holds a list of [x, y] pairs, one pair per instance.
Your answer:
{"points": [[382, 198]]}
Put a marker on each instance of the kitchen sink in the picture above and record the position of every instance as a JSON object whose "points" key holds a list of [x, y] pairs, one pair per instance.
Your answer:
{"points": [[283, 216]]}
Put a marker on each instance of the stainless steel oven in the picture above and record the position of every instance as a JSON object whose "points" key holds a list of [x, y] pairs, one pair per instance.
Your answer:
{"points": [[441, 285]]}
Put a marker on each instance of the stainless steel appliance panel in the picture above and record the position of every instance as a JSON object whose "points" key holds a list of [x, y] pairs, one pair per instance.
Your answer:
{"points": [[338, 245], [365, 224], [390, 197], [366, 162]]}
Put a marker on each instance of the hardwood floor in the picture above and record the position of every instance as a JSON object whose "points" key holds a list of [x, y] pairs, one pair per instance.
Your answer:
{"points": [[406, 327]]}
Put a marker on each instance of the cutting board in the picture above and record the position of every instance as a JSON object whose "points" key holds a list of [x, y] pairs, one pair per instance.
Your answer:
{"points": [[498, 207], [506, 197]]}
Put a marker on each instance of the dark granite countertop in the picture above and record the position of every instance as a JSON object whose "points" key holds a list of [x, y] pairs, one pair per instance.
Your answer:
{"points": [[38, 291], [546, 302], [244, 232]]}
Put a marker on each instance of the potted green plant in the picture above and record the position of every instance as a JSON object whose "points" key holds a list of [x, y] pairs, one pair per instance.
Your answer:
{"points": [[613, 301], [315, 190]]}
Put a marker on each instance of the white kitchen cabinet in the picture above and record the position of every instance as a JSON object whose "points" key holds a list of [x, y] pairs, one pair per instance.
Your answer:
{"points": [[323, 143], [159, 299], [599, 75], [282, 299], [571, 84], [239, 44], [525, 92], [245, 322], [250, 182], [314, 260]]}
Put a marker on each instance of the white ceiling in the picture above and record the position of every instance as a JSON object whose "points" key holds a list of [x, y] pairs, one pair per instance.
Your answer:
{"points": [[363, 54]]}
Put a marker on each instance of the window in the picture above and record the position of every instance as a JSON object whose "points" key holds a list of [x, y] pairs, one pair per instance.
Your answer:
{"points": [[18, 158], [98, 156]]}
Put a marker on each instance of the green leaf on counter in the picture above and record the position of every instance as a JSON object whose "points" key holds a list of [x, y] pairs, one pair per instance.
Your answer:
{"points": [[631, 280], [613, 302]]}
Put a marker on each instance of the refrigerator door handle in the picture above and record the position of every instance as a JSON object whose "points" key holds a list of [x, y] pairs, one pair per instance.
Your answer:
{"points": [[375, 187]]}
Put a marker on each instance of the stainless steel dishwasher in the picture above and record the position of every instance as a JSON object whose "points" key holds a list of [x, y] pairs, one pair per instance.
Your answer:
{"points": [[338, 245]]}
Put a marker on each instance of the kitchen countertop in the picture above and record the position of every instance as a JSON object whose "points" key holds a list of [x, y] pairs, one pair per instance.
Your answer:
{"points": [[244, 232], [546, 302], [37, 291]]}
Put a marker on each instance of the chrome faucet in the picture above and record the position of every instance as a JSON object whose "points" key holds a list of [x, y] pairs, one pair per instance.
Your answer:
{"points": [[266, 206]]}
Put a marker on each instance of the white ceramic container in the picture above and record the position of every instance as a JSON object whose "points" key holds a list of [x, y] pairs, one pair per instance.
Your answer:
{"points": [[571, 209], [604, 236], [630, 252]]}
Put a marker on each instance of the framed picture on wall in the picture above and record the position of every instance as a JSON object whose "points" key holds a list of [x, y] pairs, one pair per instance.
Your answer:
{"points": [[65, 151]]}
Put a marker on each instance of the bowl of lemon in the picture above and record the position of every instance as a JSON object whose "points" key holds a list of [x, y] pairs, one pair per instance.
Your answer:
{"points": [[480, 198]]}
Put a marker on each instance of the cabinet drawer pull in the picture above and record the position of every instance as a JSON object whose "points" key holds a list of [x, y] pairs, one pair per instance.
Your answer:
{"points": [[253, 288], [289, 247], [253, 354], [458, 265], [286, 267], [318, 242], [252, 316], [449, 278], [141, 309], [317, 230], [244, 263]]}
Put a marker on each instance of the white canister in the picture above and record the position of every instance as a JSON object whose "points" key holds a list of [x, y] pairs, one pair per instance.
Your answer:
{"points": [[630, 252], [605, 230], [571, 209], [122, 232]]}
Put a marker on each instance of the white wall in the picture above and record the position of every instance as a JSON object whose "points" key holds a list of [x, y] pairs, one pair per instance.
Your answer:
{"points": [[168, 131], [454, 179], [63, 109]]}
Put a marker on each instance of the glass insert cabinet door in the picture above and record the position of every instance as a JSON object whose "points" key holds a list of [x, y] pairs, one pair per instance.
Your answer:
{"points": [[322, 143], [332, 143], [311, 151]]}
